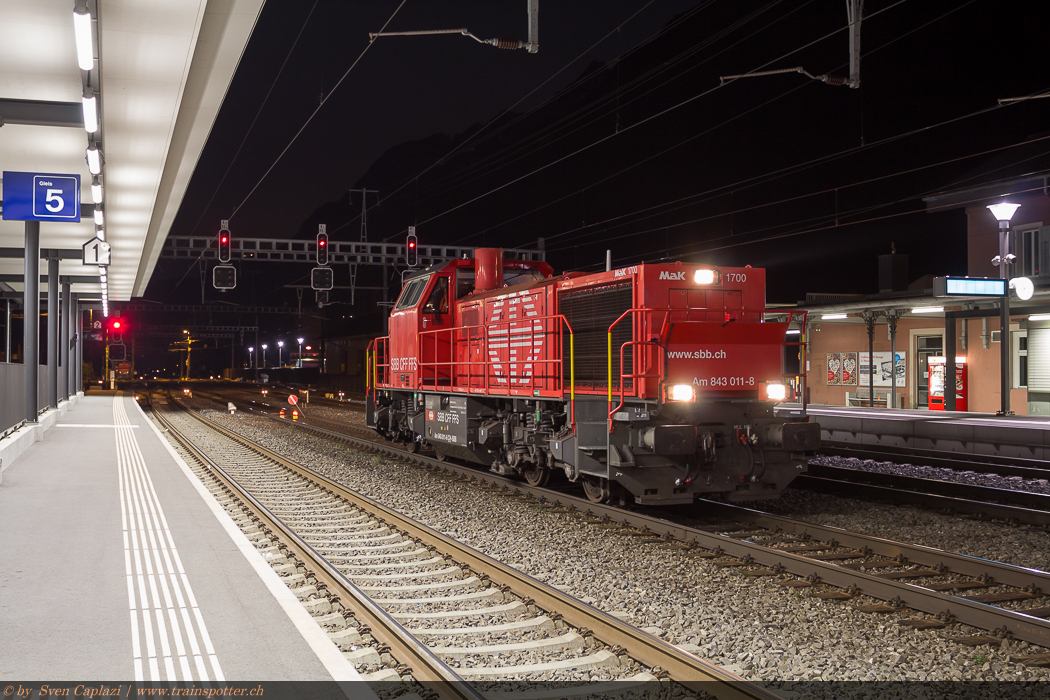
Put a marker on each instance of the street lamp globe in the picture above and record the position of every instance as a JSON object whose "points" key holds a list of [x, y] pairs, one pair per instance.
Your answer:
{"points": [[1003, 212]]}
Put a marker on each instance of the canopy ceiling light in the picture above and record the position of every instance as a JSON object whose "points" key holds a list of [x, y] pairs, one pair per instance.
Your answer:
{"points": [[85, 48], [833, 317], [96, 190], [928, 310], [94, 160], [90, 111]]}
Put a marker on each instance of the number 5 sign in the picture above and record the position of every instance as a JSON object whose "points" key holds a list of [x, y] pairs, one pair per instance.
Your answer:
{"points": [[41, 197]]}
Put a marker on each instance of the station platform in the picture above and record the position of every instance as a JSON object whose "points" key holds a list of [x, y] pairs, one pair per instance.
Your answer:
{"points": [[1025, 437], [119, 565]]}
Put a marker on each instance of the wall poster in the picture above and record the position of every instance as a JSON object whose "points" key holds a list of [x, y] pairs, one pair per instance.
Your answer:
{"points": [[882, 368], [842, 369]]}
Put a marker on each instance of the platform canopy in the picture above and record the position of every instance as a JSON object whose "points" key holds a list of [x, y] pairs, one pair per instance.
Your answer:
{"points": [[162, 69]]}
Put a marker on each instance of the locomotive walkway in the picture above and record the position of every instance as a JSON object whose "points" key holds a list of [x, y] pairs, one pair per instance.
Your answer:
{"points": [[118, 565]]}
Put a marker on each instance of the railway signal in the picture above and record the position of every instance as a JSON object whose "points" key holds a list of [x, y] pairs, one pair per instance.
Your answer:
{"points": [[412, 248], [322, 279], [225, 244], [322, 246]]}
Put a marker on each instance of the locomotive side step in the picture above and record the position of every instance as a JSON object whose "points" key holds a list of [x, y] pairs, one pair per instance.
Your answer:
{"points": [[592, 434]]}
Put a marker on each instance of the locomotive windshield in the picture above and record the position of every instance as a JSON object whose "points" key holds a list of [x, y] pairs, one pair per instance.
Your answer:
{"points": [[413, 290]]}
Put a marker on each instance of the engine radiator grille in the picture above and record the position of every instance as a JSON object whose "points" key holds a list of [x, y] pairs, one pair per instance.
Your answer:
{"points": [[590, 312]]}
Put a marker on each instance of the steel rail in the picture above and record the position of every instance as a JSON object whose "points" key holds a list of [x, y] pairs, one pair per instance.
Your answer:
{"points": [[426, 667], [681, 666], [1023, 506], [1022, 627]]}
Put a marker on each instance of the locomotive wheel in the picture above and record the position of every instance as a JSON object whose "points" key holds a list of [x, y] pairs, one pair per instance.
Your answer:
{"points": [[412, 447], [536, 475], [596, 488], [439, 456]]}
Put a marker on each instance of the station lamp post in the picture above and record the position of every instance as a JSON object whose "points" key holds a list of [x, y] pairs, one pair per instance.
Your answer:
{"points": [[264, 346], [300, 341], [1003, 212], [280, 349], [251, 355]]}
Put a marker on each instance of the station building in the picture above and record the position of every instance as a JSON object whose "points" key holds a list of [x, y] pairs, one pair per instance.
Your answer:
{"points": [[909, 320]]}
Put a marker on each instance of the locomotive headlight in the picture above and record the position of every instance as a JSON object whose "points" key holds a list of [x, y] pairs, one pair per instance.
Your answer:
{"points": [[680, 392], [776, 392], [704, 277]]}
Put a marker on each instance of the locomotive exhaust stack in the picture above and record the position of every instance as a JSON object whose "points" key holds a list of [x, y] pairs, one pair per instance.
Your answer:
{"points": [[653, 383], [488, 269]]}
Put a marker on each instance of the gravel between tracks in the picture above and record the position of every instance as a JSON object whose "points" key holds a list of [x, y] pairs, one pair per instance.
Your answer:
{"points": [[752, 626]]}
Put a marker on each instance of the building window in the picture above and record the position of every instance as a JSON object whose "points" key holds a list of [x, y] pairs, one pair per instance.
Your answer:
{"points": [[1032, 248], [1020, 364]]}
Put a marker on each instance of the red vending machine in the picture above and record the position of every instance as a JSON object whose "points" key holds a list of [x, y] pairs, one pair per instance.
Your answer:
{"points": [[937, 366]]}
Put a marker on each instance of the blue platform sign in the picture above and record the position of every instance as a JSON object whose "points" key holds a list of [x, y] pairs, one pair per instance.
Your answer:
{"points": [[41, 197]]}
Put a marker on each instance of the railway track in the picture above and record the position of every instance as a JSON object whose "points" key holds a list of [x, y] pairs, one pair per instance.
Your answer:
{"points": [[433, 608], [945, 588], [1024, 467], [1012, 505]]}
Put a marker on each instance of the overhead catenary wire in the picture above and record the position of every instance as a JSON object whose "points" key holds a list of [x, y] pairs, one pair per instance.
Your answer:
{"points": [[834, 219], [646, 120], [318, 109], [516, 152], [779, 173], [244, 140], [471, 140], [615, 223]]}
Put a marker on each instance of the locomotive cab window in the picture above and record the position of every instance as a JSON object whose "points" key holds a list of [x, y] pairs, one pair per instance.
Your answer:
{"points": [[437, 303], [413, 290]]}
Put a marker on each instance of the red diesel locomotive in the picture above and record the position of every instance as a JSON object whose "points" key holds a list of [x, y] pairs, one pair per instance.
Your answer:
{"points": [[653, 382]]}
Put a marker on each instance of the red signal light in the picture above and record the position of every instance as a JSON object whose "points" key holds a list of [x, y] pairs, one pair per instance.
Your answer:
{"points": [[322, 244], [116, 324], [411, 244], [224, 239]]}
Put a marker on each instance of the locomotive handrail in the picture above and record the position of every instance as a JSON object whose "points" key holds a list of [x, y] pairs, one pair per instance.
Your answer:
{"points": [[487, 362]]}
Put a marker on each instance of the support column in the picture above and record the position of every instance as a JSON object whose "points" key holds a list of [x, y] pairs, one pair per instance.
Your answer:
{"points": [[949, 362], [63, 344], [869, 321], [52, 332], [31, 320], [70, 346], [79, 353], [7, 331], [891, 320]]}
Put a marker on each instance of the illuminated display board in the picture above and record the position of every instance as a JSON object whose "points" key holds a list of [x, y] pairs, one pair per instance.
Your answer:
{"points": [[968, 287]]}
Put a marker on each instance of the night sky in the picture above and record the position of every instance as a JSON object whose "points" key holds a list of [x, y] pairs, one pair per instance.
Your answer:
{"points": [[726, 155]]}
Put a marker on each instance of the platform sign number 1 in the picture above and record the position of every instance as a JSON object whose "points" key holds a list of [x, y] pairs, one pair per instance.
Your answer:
{"points": [[96, 252]]}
